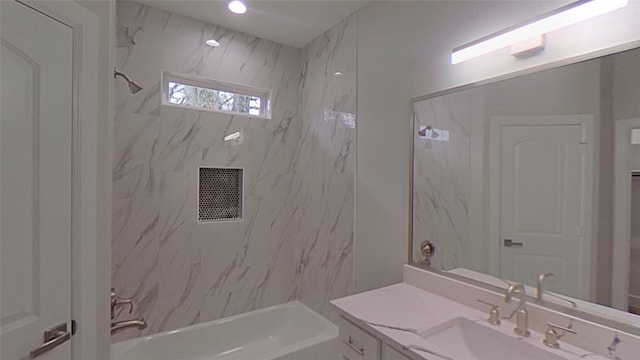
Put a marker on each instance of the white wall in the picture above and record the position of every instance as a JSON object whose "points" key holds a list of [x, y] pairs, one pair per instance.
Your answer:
{"points": [[635, 215], [403, 52], [626, 92], [634, 268]]}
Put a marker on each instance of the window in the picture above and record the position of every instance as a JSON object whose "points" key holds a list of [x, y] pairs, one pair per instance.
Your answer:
{"points": [[214, 95]]}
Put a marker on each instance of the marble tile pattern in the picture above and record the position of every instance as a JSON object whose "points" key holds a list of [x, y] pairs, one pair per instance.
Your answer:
{"points": [[442, 178], [296, 236], [325, 168]]}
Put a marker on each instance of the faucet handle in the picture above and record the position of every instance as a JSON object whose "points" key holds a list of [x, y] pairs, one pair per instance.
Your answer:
{"points": [[563, 328], [117, 301], [121, 302], [551, 336], [494, 313]]}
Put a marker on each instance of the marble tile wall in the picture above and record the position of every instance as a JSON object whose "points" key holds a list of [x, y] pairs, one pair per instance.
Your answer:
{"points": [[178, 270], [441, 191], [325, 168], [296, 237]]}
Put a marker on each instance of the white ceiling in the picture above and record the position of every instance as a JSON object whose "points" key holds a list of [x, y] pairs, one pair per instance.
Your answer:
{"points": [[290, 22]]}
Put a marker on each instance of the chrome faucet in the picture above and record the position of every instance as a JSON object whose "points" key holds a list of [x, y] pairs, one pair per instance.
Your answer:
{"points": [[117, 326], [539, 289], [522, 315]]}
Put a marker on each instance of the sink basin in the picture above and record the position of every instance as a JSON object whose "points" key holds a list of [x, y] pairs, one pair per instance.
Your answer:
{"points": [[464, 339]]}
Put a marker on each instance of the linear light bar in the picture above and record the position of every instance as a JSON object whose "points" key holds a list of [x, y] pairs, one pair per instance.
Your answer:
{"points": [[557, 19]]}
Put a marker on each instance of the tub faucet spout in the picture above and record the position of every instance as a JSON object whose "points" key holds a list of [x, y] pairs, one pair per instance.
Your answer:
{"points": [[126, 324]]}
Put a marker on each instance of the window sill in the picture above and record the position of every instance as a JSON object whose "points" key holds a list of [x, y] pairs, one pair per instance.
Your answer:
{"points": [[230, 113]]}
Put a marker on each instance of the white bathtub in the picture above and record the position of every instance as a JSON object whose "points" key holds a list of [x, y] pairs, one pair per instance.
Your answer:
{"points": [[289, 331]]}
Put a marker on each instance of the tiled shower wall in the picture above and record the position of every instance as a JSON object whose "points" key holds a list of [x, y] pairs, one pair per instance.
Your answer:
{"points": [[325, 168], [296, 236]]}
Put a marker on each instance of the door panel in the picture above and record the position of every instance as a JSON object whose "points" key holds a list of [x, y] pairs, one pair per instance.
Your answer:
{"points": [[18, 241], [35, 179], [537, 187], [541, 204]]}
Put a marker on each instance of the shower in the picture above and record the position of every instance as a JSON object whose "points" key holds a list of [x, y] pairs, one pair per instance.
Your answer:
{"points": [[133, 87]]}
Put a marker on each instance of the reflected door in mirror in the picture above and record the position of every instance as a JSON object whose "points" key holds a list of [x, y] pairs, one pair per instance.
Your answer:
{"points": [[541, 174]]}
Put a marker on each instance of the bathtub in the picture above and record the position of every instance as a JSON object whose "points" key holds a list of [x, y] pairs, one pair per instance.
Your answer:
{"points": [[288, 331]]}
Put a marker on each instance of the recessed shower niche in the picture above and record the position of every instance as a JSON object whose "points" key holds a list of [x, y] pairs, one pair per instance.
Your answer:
{"points": [[219, 194]]}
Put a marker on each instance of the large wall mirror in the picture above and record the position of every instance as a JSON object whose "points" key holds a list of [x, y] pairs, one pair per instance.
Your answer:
{"points": [[536, 174]]}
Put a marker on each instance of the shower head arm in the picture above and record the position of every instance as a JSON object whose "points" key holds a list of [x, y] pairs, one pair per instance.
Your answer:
{"points": [[117, 73], [133, 87]]}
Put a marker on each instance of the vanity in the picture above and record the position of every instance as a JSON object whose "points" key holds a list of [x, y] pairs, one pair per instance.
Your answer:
{"points": [[520, 188], [430, 316]]}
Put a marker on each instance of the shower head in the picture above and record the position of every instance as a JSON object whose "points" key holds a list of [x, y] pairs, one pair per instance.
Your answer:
{"points": [[428, 132], [133, 87]]}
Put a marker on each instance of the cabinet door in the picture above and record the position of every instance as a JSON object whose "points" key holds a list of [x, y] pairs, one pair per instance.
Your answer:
{"points": [[357, 344], [390, 353]]}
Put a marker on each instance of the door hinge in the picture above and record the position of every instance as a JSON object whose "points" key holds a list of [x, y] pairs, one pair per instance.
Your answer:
{"points": [[74, 327]]}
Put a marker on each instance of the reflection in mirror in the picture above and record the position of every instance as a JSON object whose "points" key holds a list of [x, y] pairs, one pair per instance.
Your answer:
{"points": [[516, 178], [634, 266]]}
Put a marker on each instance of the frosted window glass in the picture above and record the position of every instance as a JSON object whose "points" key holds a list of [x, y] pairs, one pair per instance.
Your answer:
{"points": [[213, 99]]}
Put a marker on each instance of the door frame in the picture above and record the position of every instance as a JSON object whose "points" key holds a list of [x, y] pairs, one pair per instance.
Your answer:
{"points": [[90, 251], [622, 213], [494, 225]]}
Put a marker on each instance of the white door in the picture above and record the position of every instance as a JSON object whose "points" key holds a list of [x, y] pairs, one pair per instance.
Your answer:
{"points": [[542, 185], [35, 179]]}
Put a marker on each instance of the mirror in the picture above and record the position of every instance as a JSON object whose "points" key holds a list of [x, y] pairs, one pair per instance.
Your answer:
{"points": [[522, 177]]}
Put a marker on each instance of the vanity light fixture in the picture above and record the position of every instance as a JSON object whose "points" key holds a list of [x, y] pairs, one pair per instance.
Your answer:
{"points": [[557, 19], [212, 43], [237, 7]]}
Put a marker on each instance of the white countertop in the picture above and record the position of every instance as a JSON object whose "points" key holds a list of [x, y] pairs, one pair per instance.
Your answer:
{"points": [[405, 306]]}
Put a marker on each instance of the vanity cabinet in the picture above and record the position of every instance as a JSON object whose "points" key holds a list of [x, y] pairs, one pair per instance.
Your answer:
{"points": [[358, 344], [390, 353]]}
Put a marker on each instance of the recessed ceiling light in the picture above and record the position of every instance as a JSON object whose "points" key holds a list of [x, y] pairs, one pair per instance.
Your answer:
{"points": [[237, 7], [212, 43], [338, 73]]}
